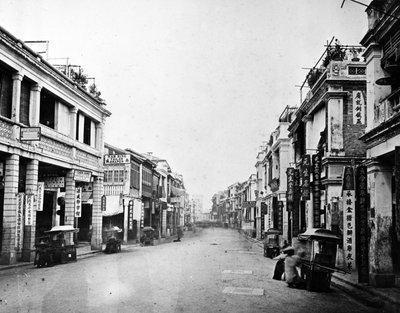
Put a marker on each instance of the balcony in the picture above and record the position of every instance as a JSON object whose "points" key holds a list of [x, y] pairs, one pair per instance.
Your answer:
{"points": [[387, 108]]}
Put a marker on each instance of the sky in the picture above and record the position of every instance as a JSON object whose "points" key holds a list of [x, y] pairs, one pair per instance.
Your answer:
{"points": [[200, 83]]}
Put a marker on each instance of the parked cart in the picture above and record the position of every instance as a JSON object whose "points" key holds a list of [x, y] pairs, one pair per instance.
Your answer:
{"points": [[317, 248], [56, 247]]}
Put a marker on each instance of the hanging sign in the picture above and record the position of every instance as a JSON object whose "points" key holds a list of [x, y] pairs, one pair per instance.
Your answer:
{"points": [[349, 237], [117, 159], [361, 216], [39, 196], [358, 107], [290, 184], [130, 215], [84, 176], [103, 203], [142, 216], [19, 223], [30, 134], [29, 199], [305, 177], [78, 202], [316, 165]]}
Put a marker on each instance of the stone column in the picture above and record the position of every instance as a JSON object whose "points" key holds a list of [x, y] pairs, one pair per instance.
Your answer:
{"points": [[16, 96], [73, 119], [16, 99], [34, 105], [380, 254], [32, 171], [8, 253], [97, 218]]}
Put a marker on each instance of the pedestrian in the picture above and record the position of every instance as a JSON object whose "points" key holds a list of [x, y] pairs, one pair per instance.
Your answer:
{"points": [[292, 276], [279, 269]]}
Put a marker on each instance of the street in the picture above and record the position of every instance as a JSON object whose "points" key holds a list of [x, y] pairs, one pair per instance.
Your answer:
{"points": [[213, 270]]}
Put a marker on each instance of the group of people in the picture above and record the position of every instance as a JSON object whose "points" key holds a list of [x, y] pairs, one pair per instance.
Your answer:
{"points": [[286, 267]]}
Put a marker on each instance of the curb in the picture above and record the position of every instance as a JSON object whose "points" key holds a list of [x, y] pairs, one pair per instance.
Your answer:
{"points": [[359, 294]]}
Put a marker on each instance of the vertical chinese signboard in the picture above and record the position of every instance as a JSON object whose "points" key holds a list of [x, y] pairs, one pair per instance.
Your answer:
{"points": [[78, 202], [296, 203], [19, 225], [349, 239], [130, 215], [29, 209], [316, 166], [362, 224], [103, 203], [290, 188], [359, 107], [305, 177], [142, 216], [40, 195], [263, 212]]}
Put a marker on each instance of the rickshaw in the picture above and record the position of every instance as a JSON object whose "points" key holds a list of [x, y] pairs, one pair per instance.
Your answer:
{"points": [[113, 243], [317, 248], [147, 236], [56, 247], [271, 243]]}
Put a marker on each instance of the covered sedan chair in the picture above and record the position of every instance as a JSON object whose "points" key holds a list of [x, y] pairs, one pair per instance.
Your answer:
{"points": [[271, 243], [56, 247], [317, 248]]}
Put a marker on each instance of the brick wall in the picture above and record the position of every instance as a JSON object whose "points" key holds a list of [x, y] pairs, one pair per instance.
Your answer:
{"points": [[352, 145]]}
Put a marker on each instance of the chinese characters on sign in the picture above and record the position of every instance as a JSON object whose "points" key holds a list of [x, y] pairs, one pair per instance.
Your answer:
{"points": [[117, 159], [40, 195], [84, 176], [362, 224], [103, 203], [19, 228], [142, 216], [296, 203], [349, 218], [316, 164], [78, 202], [290, 185], [263, 212], [305, 177], [358, 107], [29, 209], [130, 216]]}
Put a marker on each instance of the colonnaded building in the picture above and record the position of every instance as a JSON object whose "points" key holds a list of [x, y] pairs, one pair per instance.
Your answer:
{"points": [[51, 142]]}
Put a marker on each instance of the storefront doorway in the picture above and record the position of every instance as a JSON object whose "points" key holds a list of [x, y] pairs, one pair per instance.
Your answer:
{"points": [[44, 219]]}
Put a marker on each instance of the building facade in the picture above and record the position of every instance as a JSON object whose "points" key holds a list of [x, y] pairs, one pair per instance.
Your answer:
{"points": [[382, 137], [51, 148]]}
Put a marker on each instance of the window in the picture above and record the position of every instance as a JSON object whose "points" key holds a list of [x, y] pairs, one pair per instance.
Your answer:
{"points": [[47, 109], [87, 130], [24, 102], [5, 93], [121, 176], [108, 176], [135, 175]]}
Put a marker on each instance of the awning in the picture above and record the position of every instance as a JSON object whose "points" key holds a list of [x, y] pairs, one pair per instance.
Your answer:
{"points": [[113, 206]]}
